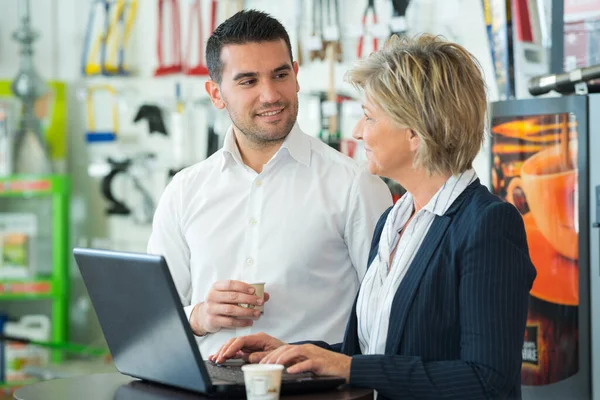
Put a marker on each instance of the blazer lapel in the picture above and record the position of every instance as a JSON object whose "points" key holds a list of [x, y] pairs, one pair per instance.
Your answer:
{"points": [[351, 345], [408, 287], [410, 283]]}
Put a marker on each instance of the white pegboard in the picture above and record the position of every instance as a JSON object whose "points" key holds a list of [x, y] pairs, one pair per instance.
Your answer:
{"points": [[62, 24]]}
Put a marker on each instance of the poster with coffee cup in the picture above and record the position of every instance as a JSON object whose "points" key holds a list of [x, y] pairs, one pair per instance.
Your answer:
{"points": [[534, 167]]}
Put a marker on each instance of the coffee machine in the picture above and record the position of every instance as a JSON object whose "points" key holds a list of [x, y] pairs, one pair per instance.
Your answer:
{"points": [[543, 162]]}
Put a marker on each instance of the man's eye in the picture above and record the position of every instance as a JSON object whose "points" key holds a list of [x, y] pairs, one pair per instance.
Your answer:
{"points": [[247, 82], [281, 76]]}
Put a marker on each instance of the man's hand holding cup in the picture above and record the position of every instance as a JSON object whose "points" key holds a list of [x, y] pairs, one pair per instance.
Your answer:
{"points": [[229, 304]]}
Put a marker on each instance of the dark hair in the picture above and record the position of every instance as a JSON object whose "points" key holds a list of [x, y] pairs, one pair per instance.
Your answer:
{"points": [[245, 26]]}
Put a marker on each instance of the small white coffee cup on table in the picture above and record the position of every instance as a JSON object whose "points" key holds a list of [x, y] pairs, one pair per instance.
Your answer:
{"points": [[263, 381]]}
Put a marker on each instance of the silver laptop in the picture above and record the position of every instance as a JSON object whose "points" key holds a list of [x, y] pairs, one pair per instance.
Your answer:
{"points": [[148, 334]]}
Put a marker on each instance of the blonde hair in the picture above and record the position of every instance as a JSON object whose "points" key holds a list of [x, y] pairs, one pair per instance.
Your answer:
{"points": [[433, 87]]}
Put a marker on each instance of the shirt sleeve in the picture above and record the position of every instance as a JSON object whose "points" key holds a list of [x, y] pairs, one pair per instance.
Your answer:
{"points": [[167, 239], [369, 198]]}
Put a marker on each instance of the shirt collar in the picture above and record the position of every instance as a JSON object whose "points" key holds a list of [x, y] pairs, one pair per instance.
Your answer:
{"points": [[296, 144], [231, 153], [445, 196]]}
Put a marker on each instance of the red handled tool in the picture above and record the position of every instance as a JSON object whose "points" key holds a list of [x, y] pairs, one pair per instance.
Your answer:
{"points": [[195, 11], [361, 39], [176, 66]]}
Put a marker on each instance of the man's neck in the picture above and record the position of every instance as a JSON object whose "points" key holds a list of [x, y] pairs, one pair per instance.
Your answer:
{"points": [[254, 155]]}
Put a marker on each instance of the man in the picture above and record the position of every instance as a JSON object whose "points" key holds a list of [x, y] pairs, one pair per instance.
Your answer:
{"points": [[274, 205]]}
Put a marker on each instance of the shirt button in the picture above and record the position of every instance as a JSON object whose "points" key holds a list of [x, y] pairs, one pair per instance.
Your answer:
{"points": [[249, 261], [258, 182], [252, 221]]}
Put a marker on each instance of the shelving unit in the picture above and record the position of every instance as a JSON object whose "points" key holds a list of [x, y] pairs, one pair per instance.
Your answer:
{"points": [[9, 387], [26, 289], [54, 288]]}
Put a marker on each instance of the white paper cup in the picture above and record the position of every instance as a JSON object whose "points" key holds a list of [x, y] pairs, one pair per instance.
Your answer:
{"points": [[259, 291], [263, 381]]}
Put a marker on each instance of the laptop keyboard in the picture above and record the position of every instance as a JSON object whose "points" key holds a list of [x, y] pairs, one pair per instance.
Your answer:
{"points": [[234, 373]]}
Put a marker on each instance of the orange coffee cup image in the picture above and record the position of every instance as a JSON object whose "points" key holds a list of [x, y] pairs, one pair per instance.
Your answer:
{"points": [[550, 187]]}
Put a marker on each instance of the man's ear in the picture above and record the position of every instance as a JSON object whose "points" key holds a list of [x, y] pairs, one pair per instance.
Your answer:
{"points": [[413, 139], [295, 68], [214, 92]]}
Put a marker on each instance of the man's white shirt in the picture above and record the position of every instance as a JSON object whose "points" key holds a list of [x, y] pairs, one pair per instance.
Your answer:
{"points": [[303, 226]]}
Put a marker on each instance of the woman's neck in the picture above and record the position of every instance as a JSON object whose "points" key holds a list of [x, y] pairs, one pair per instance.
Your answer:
{"points": [[421, 185]]}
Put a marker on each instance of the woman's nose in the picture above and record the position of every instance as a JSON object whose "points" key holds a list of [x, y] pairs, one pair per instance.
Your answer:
{"points": [[357, 131]]}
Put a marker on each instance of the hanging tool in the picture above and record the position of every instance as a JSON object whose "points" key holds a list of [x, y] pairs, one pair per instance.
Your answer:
{"points": [[330, 107], [338, 42], [398, 21], [316, 42], [118, 35], [31, 154], [334, 133], [136, 170], [92, 135], [175, 65], [119, 16], [370, 7], [195, 10], [299, 58], [333, 102], [331, 33], [213, 16], [115, 206], [111, 19], [153, 114], [179, 134], [129, 20], [88, 67], [6, 138]]}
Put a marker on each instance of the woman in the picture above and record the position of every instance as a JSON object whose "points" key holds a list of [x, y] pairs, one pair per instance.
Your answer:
{"points": [[441, 311]]}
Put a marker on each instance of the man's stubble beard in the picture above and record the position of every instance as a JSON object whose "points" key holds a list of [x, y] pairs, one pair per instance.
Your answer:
{"points": [[253, 134]]}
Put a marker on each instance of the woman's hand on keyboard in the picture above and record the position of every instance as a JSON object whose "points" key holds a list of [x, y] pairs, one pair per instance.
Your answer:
{"points": [[310, 358], [251, 348]]}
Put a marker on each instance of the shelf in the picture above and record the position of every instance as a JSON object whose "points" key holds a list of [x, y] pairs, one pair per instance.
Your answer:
{"points": [[32, 185], [16, 384], [66, 369], [581, 16], [52, 288], [26, 289]]}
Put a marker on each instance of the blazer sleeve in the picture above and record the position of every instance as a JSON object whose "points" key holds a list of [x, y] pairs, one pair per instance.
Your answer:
{"points": [[331, 347], [496, 275]]}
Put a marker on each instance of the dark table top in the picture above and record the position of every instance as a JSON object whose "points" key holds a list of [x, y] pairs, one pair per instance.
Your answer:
{"points": [[117, 386]]}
